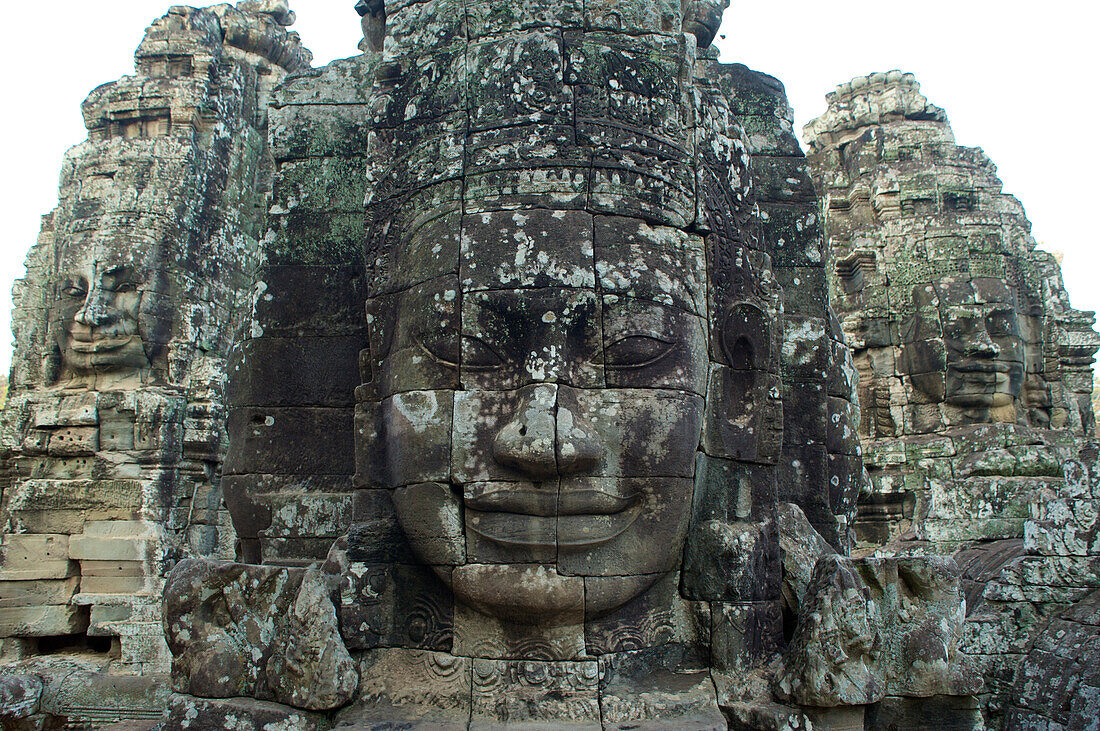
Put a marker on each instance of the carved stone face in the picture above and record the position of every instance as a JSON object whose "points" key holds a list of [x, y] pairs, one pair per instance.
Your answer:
{"points": [[985, 362], [97, 311], [963, 346], [540, 413]]}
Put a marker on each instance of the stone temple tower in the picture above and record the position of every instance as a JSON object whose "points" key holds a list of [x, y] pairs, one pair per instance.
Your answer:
{"points": [[975, 370], [113, 433]]}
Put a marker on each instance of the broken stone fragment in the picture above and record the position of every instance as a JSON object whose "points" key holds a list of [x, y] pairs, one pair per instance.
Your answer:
{"points": [[256, 631], [875, 627], [835, 656], [800, 547], [19, 697], [310, 667]]}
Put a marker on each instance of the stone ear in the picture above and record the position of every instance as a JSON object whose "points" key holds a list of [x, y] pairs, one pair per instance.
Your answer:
{"points": [[380, 334], [745, 338]]}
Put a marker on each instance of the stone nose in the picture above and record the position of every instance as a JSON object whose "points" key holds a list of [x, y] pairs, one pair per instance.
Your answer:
{"points": [[527, 441], [983, 345], [578, 446], [544, 441], [96, 310]]}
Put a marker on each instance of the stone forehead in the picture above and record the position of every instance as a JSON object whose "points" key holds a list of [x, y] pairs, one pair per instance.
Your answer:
{"points": [[129, 238], [530, 248]]}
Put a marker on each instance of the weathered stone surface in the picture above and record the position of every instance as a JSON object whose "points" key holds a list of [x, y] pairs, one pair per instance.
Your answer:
{"points": [[871, 628], [310, 667], [221, 621], [52, 620], [975, 370], [1057, 685], [268, 633], [188, 712], [801, 547], [19, 697], [411, 687]]}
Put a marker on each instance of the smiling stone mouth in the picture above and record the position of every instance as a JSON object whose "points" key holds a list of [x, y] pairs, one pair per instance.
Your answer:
{"points": [[100, 345], [549, 503], [982, 366], [573, 517], [570, 532]]}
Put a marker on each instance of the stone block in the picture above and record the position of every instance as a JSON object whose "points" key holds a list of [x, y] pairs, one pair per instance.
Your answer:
{"points": [[731, 553], [127, 569], [657, 688], [509, 692], [93, 586], [334, 306], [656, 618], [414, 687], [115, 543], [244, 714], [25, 556], [38, 592], [43, 621], [805, 352], [74, 441], [405, 439], [103, 616], [37, 505], [394, 605], [293, 441], [296, 371]]}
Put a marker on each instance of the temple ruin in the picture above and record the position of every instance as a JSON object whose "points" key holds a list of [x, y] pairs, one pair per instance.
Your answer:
{"points": [[135, 294], [975, 371], [490, 378]]}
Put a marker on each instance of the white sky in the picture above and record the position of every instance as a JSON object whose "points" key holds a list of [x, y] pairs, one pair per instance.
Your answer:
{"points": [[1016, 77]]}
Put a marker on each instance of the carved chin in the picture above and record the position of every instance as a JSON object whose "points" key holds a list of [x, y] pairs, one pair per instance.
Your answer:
{"points": [[538, 594]]}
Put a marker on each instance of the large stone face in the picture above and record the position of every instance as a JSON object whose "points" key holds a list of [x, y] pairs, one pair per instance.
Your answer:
{"points": [[975, 371], [539, 344], [596, 355], [975, 374], [113, 432]]}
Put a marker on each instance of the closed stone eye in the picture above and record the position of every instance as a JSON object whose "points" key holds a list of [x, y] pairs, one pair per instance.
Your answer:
{"points": [[636, 351], [441, 348], [478, 355]]}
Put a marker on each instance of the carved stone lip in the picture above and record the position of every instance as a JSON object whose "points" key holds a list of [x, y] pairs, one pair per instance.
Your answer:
{"points": [[578, 532], [100, 345], [548, 502], [571, 532], [982, 366]]}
